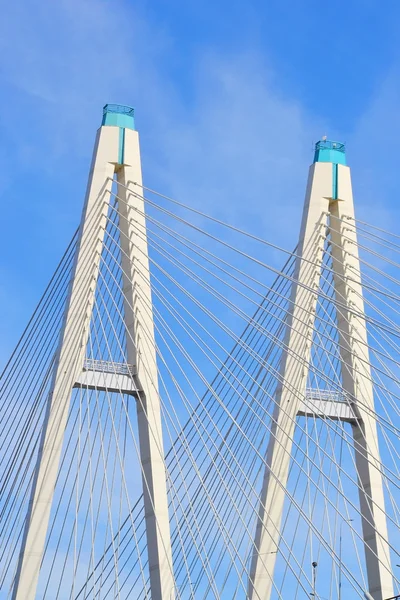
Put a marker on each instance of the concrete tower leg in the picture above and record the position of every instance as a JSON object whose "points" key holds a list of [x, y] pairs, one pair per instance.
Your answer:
{"points": [[115, 139], [141, 352], [329, 190], [292, 379], [357, 383]]}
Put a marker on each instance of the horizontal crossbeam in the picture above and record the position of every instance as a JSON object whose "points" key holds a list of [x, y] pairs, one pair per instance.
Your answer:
{"points": [[326, 404], [107, 376]]}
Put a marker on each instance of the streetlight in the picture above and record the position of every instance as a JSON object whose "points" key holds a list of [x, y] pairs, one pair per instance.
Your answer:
{"points": [[340, 555], [314, 584]]}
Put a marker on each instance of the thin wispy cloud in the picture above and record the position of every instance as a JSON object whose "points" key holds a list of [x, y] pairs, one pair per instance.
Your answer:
{"points": [[224, 137]]}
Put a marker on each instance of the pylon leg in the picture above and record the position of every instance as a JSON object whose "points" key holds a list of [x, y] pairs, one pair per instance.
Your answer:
{"points": [[357, 382], [115, 139], [329, 189], [292, 381], [140, 337]]}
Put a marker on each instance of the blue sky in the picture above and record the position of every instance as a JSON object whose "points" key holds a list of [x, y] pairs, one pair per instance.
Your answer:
{"points": [[229, 98]]}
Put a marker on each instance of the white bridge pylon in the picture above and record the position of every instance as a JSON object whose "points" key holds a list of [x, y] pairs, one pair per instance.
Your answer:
{"points": [[116, 154], [328, 203]]}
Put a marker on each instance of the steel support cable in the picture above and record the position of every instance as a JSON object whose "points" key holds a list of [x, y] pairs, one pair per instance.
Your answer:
{"points": [[13, 511], [30, 442], [255, 260], [120, 462], [368, 235], [27, 435], [319, 474], [222, 517], [40, 306], [175, 282], [193, 465], [229, 226], [207, 234], [239, 534], [307, 489], [175, 571], [68, 442], [106, 310], [105, 460], [385, 482], [55, 516], [318, 534], [11, 539], [257, 292], [388, 442], [82, 249], [313, 507], [30, 416], [391, 423], [111, 353], [26, 490], [385, 372], [23, 500], [385, 275], [371, 266], [241, 351], [58, 507], [383, 353], [326, 508], [385, 368], [355, 467], [70, 498], [206, 216], [194, 539], [22, 387], [79, 456], [388, 488], [92, 528], [381, 387], [348, 218], [334, 575], [330, 299], [92, 520], [286, 521], [16, 415], [11, 370], [320, 480]]}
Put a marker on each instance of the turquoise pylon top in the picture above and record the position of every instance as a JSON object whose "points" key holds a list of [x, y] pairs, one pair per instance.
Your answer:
{"points": [[328, 151], [119, 115]]}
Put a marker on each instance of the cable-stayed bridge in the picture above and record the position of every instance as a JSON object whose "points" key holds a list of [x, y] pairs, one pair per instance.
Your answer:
{"points": [[195, 412]]}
